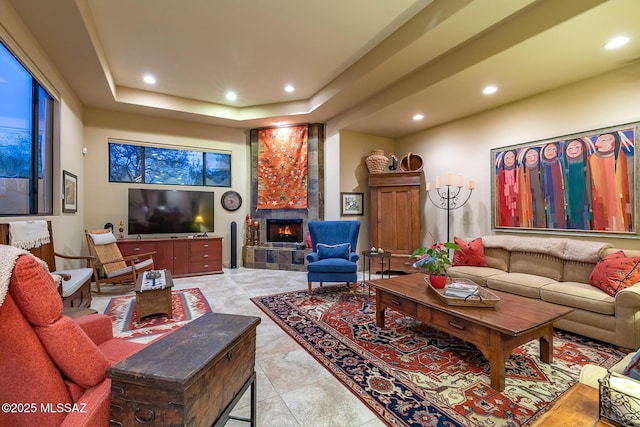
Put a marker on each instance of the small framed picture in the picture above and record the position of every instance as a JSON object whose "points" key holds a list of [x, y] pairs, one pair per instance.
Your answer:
{"points": [[352, 203], [70, 192]]}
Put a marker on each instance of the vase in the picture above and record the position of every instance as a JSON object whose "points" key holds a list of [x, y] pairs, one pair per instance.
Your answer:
{"points": [[376, 161], [437, 282]]}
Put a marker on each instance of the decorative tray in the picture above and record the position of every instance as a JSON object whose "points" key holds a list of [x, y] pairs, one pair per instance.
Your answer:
{"points": [[483, 297]]}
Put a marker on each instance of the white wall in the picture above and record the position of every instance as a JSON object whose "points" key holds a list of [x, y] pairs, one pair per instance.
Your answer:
{"points": [[464, 146]]}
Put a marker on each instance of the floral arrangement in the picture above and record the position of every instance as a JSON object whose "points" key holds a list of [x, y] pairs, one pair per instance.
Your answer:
{"points": [[434, 258]]}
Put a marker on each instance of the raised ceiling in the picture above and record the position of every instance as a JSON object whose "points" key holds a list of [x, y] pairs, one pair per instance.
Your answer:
{"points": [[362, 65]]}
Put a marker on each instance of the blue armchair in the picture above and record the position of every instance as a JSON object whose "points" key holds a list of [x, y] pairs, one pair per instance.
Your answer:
{"points": [[334, 257]]}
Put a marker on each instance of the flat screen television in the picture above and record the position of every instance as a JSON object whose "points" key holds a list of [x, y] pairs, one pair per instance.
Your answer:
{"points": [[170, 211]]}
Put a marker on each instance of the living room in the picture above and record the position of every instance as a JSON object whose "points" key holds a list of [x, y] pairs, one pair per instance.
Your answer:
{"points": [[459, 144]]}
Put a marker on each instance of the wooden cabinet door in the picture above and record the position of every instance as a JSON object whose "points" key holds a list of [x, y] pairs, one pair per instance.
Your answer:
{"points": [[163, 258], [181, 257], [395, 226]]}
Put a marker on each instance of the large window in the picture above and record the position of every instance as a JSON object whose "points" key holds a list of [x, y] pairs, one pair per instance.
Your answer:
{"points": [[26, 141], [157, 165]]}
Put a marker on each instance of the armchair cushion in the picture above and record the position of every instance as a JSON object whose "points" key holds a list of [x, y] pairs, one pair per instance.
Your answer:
{"points": [[332, 265], [78, 277], [129, 269], [73, 352], [35, 292], [341, 250], [102, 239]]}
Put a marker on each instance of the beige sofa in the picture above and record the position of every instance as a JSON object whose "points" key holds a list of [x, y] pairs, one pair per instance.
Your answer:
{"points": [[557, 270]]}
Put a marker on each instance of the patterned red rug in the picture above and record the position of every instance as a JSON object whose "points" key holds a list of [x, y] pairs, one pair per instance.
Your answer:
{"points": [[413, 375], [187, 305]]}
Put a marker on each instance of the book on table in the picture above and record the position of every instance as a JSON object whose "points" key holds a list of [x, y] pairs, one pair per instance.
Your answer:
{"points": [[461, 290]]}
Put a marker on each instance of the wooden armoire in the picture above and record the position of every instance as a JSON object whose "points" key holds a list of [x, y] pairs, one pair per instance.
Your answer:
{"points": [[395, 215]]}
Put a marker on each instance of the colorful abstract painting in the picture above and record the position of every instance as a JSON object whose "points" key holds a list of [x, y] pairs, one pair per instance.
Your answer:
{"points": [[582, 182], [282, 168]]}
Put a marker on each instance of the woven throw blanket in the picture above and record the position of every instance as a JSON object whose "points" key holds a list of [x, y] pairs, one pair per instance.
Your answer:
{"points": [[566, 249], [28, 234]]}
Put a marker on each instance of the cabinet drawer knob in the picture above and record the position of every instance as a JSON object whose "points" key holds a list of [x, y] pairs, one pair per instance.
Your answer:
{"points": [[136, 249], [205, 245], [206, 266], [206, 255], [396, 302]]}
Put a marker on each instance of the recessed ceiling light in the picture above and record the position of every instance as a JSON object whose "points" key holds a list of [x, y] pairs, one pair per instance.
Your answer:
{"points": [[231, 96], [418, 116], [617, 42], [488, 90], [149, 79], [289, 88]]}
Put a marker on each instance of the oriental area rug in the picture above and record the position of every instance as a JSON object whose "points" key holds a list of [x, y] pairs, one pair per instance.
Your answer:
{"points": [[412, 375], [187, 305]]}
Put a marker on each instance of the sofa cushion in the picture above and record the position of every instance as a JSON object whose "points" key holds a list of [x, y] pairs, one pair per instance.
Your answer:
{"points": [[497, 258], [470, 254], [340, 250], [73, 352], [476, 274], [526, 285], [34, 292], [578, 295], [537, 264], [576, 271], [615, 272], [633, 368]]}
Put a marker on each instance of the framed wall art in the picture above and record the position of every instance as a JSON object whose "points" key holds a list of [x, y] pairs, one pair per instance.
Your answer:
{"points": [[70, 189], [584, 182], [352, 203]]}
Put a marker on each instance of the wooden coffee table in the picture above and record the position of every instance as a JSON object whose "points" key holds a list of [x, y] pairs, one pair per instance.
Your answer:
{"points": [[154, 301], [495, 331]]}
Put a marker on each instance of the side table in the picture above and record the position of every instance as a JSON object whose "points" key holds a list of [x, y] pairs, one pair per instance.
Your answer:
{"points": [[153, 301], [578, 407], [385, 259]]}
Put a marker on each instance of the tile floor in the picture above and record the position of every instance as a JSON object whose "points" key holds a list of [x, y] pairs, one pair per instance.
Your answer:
{"points": [[293, 389]]}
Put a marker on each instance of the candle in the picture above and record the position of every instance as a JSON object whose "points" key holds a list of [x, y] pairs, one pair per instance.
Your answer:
{"points": [[472, 184], [428, 186], [459, 180], [437, 182], [448, 179]]}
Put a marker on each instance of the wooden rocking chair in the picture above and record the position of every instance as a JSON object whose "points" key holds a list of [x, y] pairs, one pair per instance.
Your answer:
{"points": [[109, 265]]}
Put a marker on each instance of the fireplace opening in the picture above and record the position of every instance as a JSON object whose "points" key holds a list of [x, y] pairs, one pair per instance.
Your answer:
{"points": [[284, 230]]}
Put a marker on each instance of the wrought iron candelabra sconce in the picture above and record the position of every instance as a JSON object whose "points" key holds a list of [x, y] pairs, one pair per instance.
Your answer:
{"points": [[449, 199]]}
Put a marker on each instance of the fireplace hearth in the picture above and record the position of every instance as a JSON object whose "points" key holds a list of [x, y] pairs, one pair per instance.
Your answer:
{"points": [[284, 230]]}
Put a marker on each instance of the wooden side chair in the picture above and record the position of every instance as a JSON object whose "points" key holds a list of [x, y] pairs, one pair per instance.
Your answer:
{"points": [[109, 266], [75, 287]]}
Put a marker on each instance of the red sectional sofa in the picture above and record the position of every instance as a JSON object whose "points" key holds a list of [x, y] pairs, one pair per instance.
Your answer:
{"points": [[52, 368]]}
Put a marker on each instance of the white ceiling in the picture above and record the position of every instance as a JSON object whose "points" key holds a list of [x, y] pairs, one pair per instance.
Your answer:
{"points": [[364, 65]]}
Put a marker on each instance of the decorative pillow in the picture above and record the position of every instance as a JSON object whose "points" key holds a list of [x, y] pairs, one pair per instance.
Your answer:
{"points": [[103, 238], [633, 369], [341, 250], [470, 254], [615, 272]]}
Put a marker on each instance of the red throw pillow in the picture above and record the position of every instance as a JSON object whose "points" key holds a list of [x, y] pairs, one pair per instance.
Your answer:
{"points": [[470, 254], [615, 272]]}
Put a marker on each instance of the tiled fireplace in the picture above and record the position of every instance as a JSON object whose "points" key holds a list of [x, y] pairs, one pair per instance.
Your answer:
{"points": [[284, 231]]}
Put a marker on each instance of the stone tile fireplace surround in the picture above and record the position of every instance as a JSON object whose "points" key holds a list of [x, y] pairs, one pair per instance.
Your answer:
{"points": [[278, 250]]}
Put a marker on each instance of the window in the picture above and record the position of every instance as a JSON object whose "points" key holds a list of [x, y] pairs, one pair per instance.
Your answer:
{"points": [[156, 165], [26, 141]]}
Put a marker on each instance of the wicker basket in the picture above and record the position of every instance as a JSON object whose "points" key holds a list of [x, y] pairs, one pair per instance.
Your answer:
{"points": [[411, 162], [377, 161]]}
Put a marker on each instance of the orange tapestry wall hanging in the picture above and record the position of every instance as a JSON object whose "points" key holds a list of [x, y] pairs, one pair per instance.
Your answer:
{"points": [[282, 168]]}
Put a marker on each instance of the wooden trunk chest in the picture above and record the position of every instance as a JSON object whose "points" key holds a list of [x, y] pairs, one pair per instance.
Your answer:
{"points": [[188, 378]]}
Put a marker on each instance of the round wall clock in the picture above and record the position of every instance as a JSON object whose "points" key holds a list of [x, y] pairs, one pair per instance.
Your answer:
{"points": [[231, 201]]}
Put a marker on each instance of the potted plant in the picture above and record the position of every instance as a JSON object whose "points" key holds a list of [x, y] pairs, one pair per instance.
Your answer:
{"points": [[434, 259]]}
